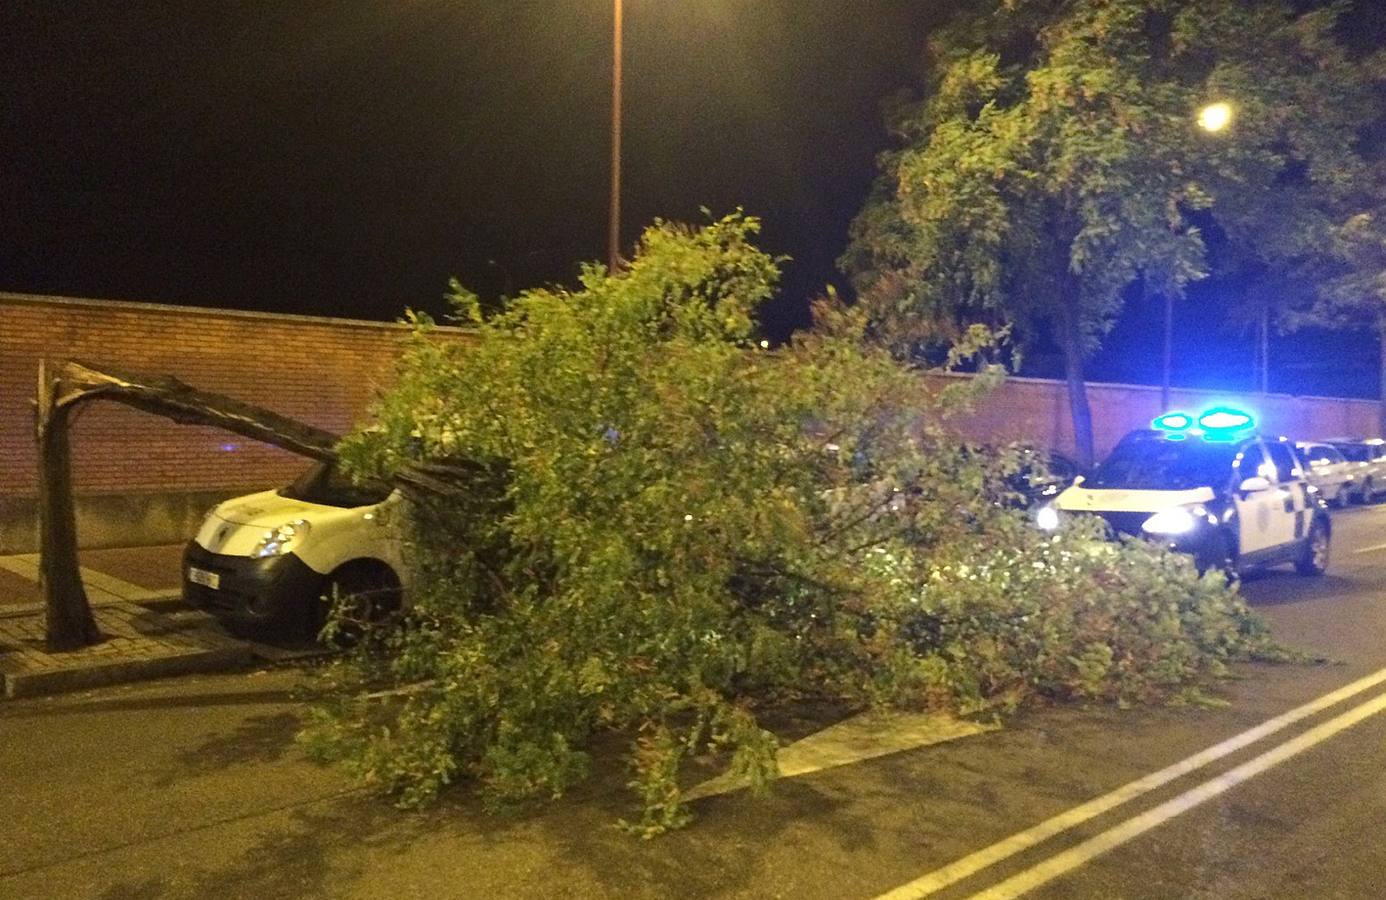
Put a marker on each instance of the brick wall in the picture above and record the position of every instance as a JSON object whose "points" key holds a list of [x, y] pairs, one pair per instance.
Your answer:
{"points": [[1036, 410], [325, 371], [321, 371]]}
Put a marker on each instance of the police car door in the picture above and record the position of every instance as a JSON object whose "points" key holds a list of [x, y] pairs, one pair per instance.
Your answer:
{"points": [[1258, 512], [1290, 522]]}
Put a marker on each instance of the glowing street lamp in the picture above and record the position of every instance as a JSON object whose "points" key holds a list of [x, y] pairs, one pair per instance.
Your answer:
{"points": [[1215, 116]]}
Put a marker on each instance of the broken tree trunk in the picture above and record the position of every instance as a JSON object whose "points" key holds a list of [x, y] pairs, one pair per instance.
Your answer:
{"points": [[61, 389], [68, 617]]}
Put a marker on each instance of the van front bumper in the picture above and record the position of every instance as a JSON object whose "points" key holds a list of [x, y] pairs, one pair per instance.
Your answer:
{"points": [[270, 595]]}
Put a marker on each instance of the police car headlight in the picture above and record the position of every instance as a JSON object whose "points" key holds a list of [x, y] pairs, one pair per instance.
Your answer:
{"points": [[278, 541], [1047, 518], [1180, 520]]}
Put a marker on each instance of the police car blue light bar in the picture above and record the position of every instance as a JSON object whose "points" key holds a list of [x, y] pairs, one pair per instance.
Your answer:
{"points": [[1221, 423], [1172, 421], [1225, 419]]}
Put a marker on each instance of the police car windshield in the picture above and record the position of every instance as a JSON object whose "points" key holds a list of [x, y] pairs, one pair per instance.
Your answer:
{"points": [[1162, 465], [324, 485], [1355, 452]]}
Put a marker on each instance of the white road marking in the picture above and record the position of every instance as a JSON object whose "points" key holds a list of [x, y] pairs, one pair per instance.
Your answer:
{"points": [[1370, 549], [1117, 835], [969, 865], [863, 736]]}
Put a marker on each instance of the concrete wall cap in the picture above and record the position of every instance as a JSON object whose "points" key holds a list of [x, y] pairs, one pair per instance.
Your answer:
{"points": [[7, 298]]}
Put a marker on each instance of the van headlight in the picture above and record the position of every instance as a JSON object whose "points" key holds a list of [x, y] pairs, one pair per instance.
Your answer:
{"points": [[1047, 518], [1179, 520], [278, 541]]}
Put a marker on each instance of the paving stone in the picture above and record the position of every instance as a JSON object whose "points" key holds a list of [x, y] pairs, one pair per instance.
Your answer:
{"points": [[140, 644]]}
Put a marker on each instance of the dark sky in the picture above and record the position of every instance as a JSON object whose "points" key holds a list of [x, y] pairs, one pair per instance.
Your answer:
{"points": [[346, 158]]}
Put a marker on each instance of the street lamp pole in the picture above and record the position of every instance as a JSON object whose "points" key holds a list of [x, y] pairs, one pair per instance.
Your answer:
{"points": [[1212, 118], [1169, 350], [614, 224]]}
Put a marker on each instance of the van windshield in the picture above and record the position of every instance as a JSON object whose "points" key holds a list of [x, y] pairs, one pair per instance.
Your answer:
{"points": [[1162, 465], [323, 484]]}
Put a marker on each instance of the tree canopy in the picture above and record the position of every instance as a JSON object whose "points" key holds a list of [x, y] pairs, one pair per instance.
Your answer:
{"points": [[662, 528]]}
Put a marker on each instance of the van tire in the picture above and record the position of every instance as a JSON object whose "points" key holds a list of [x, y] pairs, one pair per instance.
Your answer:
{"points": [[373, 584]]}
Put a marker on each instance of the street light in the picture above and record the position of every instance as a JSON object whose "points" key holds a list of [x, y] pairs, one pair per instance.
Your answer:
{"points": [[1215, 116], [614, 223]]}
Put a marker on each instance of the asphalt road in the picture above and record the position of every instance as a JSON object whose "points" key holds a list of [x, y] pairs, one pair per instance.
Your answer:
{"points": [[194, 788]]}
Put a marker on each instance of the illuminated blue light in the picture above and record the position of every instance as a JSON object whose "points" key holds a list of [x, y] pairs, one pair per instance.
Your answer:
{"points": [[1225, 420], [1173, 421]]}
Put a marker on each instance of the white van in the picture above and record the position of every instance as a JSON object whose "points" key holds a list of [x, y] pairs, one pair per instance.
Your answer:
{"points": [[270, 562]]}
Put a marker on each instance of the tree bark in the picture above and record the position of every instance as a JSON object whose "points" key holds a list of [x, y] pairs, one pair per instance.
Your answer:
{"points": [[61, 389], [165, 396], [69, 623], [1071, 342]]}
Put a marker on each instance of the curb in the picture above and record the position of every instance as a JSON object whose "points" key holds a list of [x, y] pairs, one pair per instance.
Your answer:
{"points": [[55, 681]]}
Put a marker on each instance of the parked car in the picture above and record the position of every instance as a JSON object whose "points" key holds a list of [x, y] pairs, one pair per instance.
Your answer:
{"points": [[270, 562], [1230, 499], [1328, 471], [1369, 460]]}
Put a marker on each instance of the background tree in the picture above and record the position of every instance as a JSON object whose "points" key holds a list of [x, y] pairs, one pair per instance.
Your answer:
{"points": [[1056, 163], [1352, 290]]}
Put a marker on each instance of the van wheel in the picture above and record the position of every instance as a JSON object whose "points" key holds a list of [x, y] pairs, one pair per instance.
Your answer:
{"points": [[1314, 556], [1368, 492], [368, 592]]}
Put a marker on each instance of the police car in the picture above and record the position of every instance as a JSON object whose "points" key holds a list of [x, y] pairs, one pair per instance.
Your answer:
{"points": [[1208, 486], [268, 562]]}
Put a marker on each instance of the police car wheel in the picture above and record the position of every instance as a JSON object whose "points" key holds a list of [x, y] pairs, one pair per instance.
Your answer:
{"points": [[1313, 558], [1220, 558], [1367, 494]]}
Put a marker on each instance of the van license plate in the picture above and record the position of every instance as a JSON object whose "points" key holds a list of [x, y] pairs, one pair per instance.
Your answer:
{"points": [[204, 578]]}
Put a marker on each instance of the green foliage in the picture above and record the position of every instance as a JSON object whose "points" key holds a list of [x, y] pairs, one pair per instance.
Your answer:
{"points": [[664, 527]]}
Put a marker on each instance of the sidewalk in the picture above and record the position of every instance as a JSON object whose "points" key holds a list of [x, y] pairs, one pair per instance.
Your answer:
{"points": [[124, 574], [139, 643], [134, 595]]}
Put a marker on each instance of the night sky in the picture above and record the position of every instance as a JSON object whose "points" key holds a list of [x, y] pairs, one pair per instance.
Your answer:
{"points": [[346, 158]]}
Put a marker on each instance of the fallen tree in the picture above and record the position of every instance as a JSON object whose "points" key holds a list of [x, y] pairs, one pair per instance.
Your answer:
{"points": [[666, 527]]}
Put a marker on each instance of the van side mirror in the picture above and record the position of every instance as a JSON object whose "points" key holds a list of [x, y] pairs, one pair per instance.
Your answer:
{"points": [[1078, 479], [1253, 484]]}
